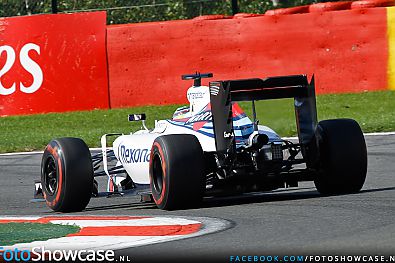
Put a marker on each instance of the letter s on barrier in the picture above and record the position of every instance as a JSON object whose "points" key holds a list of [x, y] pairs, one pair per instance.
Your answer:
{"points": [[7, 66], [27, 63], [32, 67]]}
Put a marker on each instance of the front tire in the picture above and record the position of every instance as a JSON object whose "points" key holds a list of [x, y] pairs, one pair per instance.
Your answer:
{"points": [[67, 175], [342, 164], [177, 171]]}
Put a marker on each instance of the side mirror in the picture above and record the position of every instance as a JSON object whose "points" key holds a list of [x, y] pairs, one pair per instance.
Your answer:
{"points": [[137, 117]]}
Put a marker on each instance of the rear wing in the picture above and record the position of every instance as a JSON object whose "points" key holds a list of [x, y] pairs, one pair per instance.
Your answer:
{"points": [[223, 93]]}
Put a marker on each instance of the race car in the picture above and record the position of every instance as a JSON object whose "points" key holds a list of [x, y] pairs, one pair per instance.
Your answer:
{"points": [[209, 148]]}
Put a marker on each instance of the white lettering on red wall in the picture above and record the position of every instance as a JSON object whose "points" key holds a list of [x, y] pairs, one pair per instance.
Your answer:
{"points": [[27, 63]]}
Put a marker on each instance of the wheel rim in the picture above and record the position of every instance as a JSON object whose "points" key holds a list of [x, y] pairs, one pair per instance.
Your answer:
{"points": [[157, 174], [50, 176]]}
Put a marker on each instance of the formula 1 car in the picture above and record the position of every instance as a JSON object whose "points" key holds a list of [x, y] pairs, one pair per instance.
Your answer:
{"points": [[209, 148]]}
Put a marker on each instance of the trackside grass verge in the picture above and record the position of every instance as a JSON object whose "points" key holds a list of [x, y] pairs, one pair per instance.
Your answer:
{"points": [[14, 233], [375, 112]]}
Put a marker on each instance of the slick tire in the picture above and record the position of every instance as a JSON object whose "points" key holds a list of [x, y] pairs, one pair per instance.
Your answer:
{"points": [[342, 152], [177, 171], [67, 175]]}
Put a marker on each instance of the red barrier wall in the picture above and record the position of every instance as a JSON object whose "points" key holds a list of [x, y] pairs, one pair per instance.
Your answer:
{"points": [[53, 63], [346, 50]]}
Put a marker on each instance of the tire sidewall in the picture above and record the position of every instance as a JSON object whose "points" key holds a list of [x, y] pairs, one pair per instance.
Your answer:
{"points": [[75, 174], [157, 151], [53, 150], [342, 157], [182, 163]]}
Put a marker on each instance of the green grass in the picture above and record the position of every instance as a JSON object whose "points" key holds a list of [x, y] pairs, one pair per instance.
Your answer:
{"points": [[14, 233], [375, 111]]}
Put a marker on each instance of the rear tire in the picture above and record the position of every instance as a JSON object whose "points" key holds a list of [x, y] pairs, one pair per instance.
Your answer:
{"points": [[177, 171], [67, 175], [342, 164]]}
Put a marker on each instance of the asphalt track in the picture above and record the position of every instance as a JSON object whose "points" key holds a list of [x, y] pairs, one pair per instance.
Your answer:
{"points": [[285, 222]]}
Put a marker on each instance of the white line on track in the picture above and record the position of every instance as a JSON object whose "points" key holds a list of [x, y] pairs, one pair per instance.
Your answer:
{"points": [[286, 138]]}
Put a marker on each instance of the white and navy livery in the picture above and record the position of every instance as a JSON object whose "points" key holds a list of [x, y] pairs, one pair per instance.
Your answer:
{"points": [[211, 146]]}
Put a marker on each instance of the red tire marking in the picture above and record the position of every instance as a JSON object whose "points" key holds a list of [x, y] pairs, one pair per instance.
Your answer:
{"points": [[54, 152], [162, 194], [165, 230]]}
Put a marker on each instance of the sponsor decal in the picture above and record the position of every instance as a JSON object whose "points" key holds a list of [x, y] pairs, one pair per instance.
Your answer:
{"points": [[199, 120], [214, 90], [35, 60], [26, 62], [130, 155], [201, 117], [195, 95]]}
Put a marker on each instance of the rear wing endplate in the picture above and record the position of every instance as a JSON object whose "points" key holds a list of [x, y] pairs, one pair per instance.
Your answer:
{"points": [[223, 93]]}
